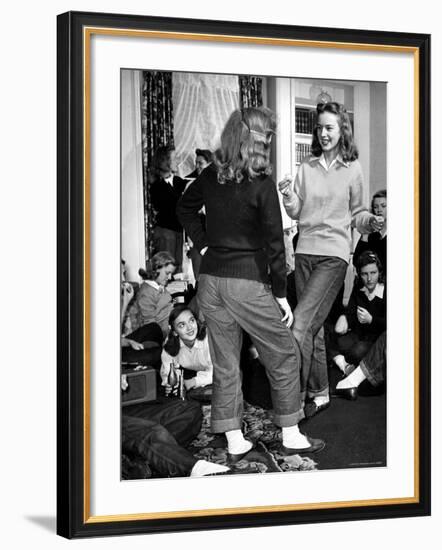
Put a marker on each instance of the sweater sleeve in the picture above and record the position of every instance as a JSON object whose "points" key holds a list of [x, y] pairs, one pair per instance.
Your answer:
{"points": [[188, 208], [360, 216], [351, 310], [147, 304], [270, 213]]}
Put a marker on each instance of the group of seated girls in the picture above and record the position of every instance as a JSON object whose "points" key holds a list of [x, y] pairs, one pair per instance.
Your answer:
{"points": [[160, 333], [156, 331]]}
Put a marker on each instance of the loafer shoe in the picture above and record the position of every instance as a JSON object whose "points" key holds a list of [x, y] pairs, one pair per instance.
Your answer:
{"points": [[347, 393], [311, 408], [315, 446], [234, 458]]}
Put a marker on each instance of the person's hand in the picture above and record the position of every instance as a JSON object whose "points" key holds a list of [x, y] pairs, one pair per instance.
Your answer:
{"points": [[341, 326], [169, 390], [364, 317], [285, 187], [377, 223], [124, 382], [286, 310], [189, 384], [135, 345], [127, 342], [203, 250]]}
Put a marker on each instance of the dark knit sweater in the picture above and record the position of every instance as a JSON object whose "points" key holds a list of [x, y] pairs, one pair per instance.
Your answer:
{"points": [[164, 199], [377, 307], [243, 228]]}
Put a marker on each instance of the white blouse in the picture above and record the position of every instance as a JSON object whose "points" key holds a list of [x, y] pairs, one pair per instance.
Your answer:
{"points": [[196, 358]]}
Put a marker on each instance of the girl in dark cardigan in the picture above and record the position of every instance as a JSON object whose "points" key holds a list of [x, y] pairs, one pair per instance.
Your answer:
{"points": [[365, 317]]}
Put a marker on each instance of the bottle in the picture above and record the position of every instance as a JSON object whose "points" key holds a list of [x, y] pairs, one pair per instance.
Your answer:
{"points": [[172, 378]]}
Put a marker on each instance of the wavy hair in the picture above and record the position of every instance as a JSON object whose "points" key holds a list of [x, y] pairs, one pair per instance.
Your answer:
{"points": [[153, 266], [172, 345], [245, 145], [381, 194], [368, 257], [347, 146]]}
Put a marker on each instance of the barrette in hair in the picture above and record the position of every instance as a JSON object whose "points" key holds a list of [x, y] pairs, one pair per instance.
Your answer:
{"points": [[260, 134]]}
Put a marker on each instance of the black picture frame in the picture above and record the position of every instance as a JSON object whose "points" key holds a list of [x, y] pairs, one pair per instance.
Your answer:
{"points": [[73, 518]]}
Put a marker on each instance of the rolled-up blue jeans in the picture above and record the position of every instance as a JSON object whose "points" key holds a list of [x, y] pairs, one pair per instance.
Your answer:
{"points": [[229, 306], [317, 280]]}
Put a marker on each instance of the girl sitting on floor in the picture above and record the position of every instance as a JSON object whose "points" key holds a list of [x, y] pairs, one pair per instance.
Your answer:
{"points": [[187, 346], [365, 317]]}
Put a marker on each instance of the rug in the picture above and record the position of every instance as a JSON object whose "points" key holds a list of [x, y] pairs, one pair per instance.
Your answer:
{"points": [[265, 457]]}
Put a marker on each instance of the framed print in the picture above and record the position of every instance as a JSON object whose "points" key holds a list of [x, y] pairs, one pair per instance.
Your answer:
{"points": [[219, 182]]}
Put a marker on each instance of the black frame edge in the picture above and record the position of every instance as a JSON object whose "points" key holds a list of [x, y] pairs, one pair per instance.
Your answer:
{"points": [[70, 223]]}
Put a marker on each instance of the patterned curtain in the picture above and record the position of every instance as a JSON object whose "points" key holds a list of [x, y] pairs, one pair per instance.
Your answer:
{"points": [[250, 91], [157, 130]]}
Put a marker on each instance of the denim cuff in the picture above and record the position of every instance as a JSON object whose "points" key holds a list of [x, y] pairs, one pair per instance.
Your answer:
{"points": [[318, 393], [369, 375], [287, 420], [225, 425]]}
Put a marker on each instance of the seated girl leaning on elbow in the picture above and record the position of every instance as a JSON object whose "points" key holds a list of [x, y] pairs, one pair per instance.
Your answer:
{"points": [[187, 346], [365, 317]]}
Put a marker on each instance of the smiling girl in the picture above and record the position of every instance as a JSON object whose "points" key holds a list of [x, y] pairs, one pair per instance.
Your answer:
{"points": [[327, 200], [187, 346]]}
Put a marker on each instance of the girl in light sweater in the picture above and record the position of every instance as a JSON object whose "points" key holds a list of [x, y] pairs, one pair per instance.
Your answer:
{"points": [[327, 200]]}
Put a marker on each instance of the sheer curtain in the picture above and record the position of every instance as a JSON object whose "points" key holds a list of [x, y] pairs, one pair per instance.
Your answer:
{"points": [[202, 103]]}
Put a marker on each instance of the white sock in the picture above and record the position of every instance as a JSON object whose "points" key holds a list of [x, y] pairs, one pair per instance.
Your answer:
{"points": [[292, 438], [321, 400], [352, 380], [340, 362], [204, 468], [236, 444]]}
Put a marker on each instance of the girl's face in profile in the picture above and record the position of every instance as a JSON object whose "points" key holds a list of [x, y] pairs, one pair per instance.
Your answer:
{"points": [[165, 274], [329, 132], [200, 163], [186, 327], [380, 207], [369, 275]]}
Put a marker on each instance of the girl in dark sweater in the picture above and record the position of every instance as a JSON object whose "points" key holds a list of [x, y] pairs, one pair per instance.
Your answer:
{"points": [[242, 283], [365, 317]]}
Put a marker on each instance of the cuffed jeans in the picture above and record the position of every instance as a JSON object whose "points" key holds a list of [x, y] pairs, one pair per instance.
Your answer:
{"points": [[318, 280], [230, 305], [374, 363]]}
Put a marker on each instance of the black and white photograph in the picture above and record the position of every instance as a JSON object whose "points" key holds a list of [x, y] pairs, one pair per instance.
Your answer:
{"points": [[253, 274]]}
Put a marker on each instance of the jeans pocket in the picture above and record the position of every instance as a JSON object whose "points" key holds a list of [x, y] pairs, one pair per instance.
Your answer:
{"points": [[243, 290]]}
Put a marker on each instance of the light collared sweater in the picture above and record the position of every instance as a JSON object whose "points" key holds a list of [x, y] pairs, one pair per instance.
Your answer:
{"points": [[327, 203]]}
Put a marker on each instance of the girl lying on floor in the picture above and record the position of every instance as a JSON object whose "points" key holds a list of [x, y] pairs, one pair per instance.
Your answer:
{"points": [[187, 346], [365, 317]]}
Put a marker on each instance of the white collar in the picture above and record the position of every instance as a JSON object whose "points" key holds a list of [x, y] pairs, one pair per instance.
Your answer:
{"points": [[169, 179], [154, 285], [198, 344], [323, 162], [378, 291]]}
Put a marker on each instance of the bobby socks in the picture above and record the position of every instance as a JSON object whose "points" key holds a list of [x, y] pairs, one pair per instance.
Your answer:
{"points": [[205, 468], [236, 444], [353, 380], [292, 438]]}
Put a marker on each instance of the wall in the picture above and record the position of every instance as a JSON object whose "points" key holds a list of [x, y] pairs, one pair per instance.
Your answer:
{"points": [[378, 137], [28, 228], [132, 205]]}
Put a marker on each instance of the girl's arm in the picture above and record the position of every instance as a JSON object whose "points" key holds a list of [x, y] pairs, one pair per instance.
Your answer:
{"points": [[361, 218], [147, 304], [271, 222], [291, 194]]}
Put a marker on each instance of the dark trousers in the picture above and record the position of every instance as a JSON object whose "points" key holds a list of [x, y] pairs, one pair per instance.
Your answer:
{"points": [[150, 335], [159, 431], [374, 364], [167, 240], [351, 346], [318, 280]]}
